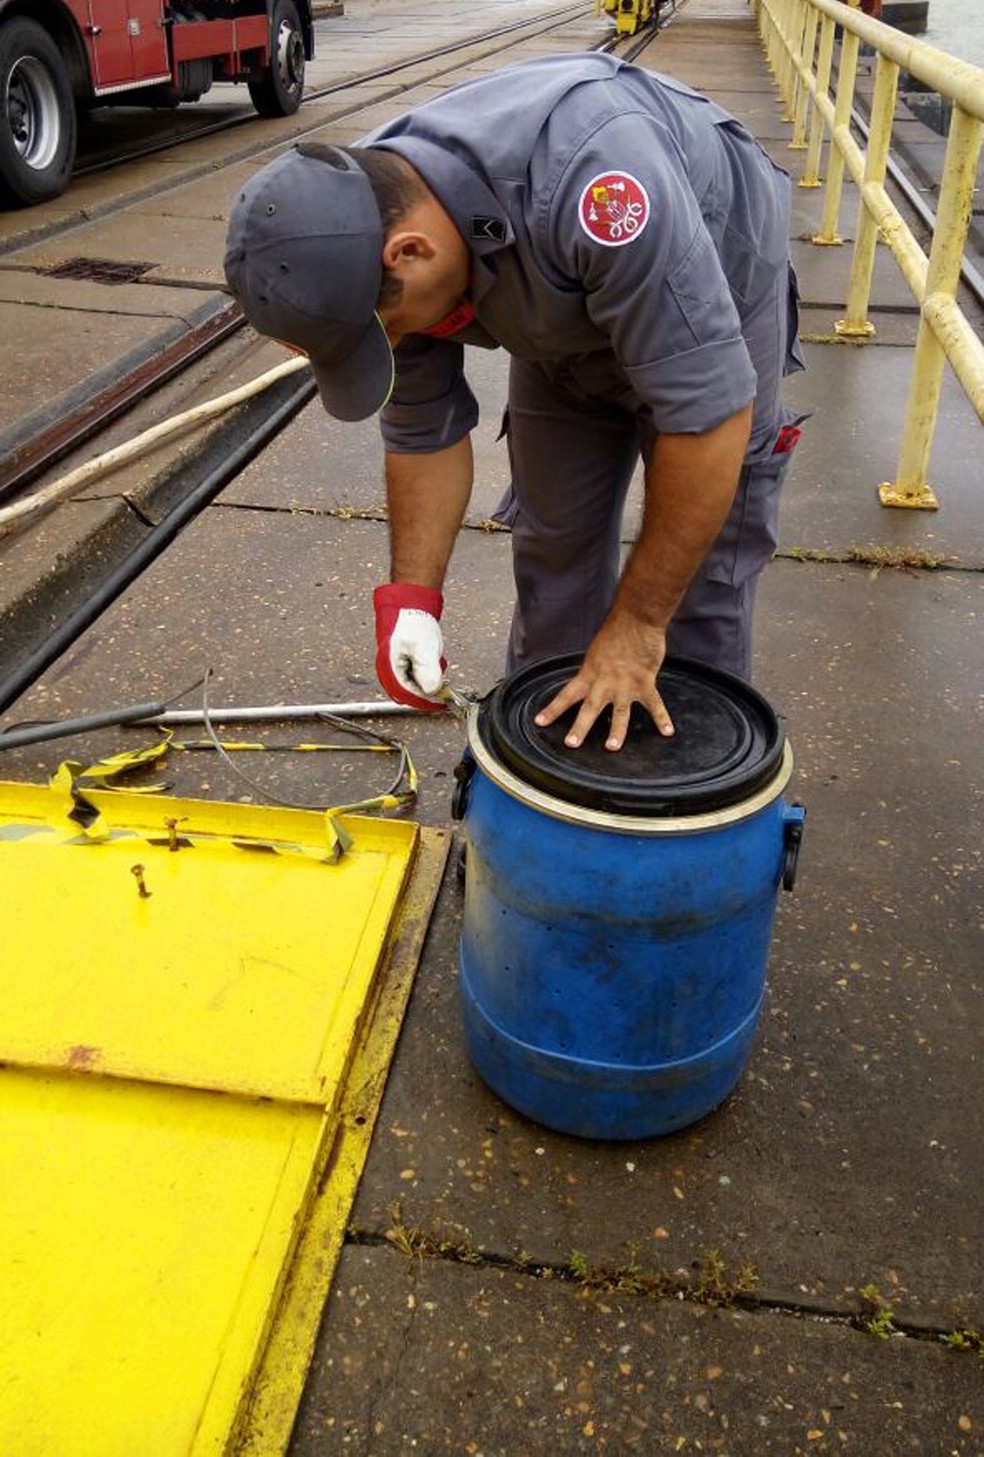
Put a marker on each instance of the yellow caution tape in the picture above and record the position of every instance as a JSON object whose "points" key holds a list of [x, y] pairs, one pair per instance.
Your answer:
{"points": [[71, 780]]}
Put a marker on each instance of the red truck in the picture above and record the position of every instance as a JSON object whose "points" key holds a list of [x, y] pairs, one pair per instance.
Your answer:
{"points": [[61, 56]]}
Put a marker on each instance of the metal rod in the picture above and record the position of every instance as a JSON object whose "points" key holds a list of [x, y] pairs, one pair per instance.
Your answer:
{"points": [[276, 712]]}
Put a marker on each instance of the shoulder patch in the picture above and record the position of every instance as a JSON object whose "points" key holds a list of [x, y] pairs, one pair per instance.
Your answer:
{"points": [[613, 209]]}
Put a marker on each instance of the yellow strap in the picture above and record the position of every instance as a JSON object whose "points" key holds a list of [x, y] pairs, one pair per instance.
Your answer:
{"points": [[63, 782], [71, 780], [243, 746]]}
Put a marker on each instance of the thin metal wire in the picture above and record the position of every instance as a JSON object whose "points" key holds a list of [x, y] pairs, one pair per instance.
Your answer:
{"points": [[267, 795]]}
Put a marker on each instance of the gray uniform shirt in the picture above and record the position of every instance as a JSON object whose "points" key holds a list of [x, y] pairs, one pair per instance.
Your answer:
{"points": [[620, 226]]}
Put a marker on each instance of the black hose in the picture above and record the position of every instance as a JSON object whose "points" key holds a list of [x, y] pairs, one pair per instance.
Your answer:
{"points": [[155, 542], [40, 733]]}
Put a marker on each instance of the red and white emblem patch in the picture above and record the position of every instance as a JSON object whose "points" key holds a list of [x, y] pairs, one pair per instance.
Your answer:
{"points": [[614, 209]]}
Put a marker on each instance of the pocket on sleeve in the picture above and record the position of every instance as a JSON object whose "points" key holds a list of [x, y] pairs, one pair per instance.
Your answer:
{"points": [[700, 290]]}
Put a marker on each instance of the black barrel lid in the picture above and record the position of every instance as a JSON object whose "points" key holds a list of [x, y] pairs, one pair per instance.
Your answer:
{"points": [[728, 742]]}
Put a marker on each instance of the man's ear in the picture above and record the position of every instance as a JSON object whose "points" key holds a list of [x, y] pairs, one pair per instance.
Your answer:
{"points": [[405, 247]]}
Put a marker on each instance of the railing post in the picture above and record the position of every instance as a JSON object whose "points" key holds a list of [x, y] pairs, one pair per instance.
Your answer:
{"points": [[797, 22], [794, 41], [763, 9], [798, 144], [778, 49], [811, 178], [857, 325], [777, 9], [956, 202], [785, 58], [847, 71]]}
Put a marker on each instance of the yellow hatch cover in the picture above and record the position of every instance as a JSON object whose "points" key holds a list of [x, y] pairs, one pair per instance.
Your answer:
{"points": [[178, 1016]]}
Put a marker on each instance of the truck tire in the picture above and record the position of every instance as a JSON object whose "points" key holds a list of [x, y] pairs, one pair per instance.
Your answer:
{"points": [[37, 115], [279, 90]]}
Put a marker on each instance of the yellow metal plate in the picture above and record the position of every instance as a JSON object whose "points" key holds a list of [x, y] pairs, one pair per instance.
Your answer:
{"points": [[269, 1418], [237, 968], [175, 1105], [146, 1231]]}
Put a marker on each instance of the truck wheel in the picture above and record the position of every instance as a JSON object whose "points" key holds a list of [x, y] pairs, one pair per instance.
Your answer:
{"points": [[279, 91], [37, 115]]}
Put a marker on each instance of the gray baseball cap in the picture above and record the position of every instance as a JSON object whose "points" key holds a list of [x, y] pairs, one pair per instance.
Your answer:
{"points": [[304, 260]]}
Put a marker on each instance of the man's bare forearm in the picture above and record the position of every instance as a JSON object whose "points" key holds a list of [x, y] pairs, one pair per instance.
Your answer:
{"points": [[690, 487], [427, 496]]}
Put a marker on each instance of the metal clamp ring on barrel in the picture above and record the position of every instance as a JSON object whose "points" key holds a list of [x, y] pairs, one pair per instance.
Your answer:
{"points": [[621, 824]]}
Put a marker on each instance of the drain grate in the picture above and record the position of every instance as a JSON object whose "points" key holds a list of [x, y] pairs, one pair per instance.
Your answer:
{"points": [[98, 270]]}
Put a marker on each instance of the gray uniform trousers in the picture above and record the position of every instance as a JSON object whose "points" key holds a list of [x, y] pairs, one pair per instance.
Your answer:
{"points": [[572, 456]]}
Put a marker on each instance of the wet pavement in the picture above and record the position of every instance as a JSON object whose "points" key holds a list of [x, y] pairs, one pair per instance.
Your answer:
{"points": [[505, 1289]]}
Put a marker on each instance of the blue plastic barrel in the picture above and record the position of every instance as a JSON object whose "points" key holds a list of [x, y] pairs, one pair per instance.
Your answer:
{"points": [[613, 963]]}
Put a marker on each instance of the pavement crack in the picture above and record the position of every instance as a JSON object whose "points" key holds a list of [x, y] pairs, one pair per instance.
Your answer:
{"points": [[909, 560], [140, 514], [406, 1336], [486, 526], [336, 513], [708, 1283]]}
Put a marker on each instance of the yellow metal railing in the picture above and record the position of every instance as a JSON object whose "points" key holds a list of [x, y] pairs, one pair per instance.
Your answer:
{"points": [[799, 39]]}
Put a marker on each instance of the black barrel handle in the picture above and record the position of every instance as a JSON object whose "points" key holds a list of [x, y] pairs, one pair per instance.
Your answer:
{"points": [[463, 773], [792, 839]]}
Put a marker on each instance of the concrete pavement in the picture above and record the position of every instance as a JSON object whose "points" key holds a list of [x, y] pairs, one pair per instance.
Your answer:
{"points": [[849, 1159], [506, 1290]]}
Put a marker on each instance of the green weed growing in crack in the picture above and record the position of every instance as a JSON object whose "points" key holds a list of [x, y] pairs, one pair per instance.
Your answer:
{"points": [[629, 1279], [876, 1313], [578, 1265], [403, 1239], [901, 559], [422, 1244], [965, 1340], [712, 1285]]}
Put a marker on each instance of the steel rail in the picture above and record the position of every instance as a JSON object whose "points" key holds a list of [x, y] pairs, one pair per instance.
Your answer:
{"points": [[26, 462], [158, 538]]}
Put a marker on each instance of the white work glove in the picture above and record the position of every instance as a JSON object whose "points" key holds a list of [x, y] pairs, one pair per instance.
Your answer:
{"points": [[409, 657]]}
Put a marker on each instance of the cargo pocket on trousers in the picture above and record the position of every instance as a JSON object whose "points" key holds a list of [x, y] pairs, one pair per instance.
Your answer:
{"points": [[748, 538], [794, 354], [506, 511]]}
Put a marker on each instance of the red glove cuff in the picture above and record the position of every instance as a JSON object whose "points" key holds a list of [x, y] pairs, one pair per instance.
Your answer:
{"points": [[390, 600]]}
